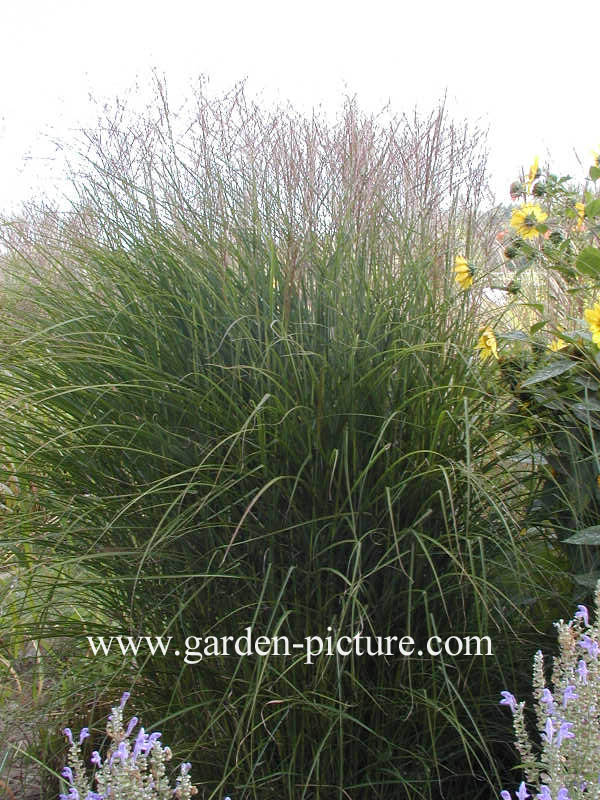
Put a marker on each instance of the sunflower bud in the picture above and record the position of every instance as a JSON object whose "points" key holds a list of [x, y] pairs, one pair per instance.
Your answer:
{"points": [[539, 189], [517, 190], [556, 237]]}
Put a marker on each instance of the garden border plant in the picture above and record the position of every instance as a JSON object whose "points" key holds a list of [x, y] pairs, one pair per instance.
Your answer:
{"points": [[234, 417]]}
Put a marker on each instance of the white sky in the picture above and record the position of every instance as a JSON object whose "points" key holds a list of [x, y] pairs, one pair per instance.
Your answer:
{"points": [[527, 70]]}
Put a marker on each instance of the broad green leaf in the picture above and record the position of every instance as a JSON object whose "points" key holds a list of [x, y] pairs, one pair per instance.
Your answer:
{"points": [[513, 336], [594, 173], [588, 383], [588, 405], [592, 209], [588, 262], [551, 371], [586, 536]]}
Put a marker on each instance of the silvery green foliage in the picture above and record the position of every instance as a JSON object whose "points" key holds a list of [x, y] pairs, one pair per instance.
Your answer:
{"points": [[129, 771], [567, 712]]}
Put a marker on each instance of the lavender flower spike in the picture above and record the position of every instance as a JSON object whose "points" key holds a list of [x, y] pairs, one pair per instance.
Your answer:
{"points": [[509, 700], [83, 734], [132, 723], [68, 734], [503, 794], [124, 698], [95, 759], [563, 794], [544, 793]]}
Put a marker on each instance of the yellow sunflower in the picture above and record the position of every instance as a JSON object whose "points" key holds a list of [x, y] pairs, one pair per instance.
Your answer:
{"points": [[533, 173], [487, 344], [463, 273], [526, 219], [557, 344], [592, 317]]}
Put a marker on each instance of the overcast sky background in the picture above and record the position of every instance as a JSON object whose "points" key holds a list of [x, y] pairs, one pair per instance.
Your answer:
{"points": [[528, 72]]}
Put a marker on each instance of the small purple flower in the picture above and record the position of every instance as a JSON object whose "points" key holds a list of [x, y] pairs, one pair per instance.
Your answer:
{"points": [[503, 794], [132, 723], [563, 794], [72, 795], [68, 734], [548, 733], [124, 698], [564, 732], [83, 734], [582, 613], [509, 700], [548, 700], [569, 694], [67, 773], [522, 793], [185, 768], [151, 741], [139, 745], [120, 752], [582, 670], [94, 796], [591, 645], [95, 759], [544, 793]]}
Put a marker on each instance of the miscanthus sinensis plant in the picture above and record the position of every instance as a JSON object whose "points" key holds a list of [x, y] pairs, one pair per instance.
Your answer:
{"points": [[566, 765], [127, 772]]}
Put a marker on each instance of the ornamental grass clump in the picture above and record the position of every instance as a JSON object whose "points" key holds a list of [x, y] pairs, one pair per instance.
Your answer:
{"points": [[135, 772], [567, 765]]}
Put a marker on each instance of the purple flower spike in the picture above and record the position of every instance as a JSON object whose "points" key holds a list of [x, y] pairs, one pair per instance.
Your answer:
{"points": [[84, 733], [67, 773], [509, 700], [582, 670], [522, 793], [95, 759], [563, 794], [132, 723], [582, 613], [564, 732], [124, 698], [569, 694], [185, 768], [544, 793], [68, 734]]}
